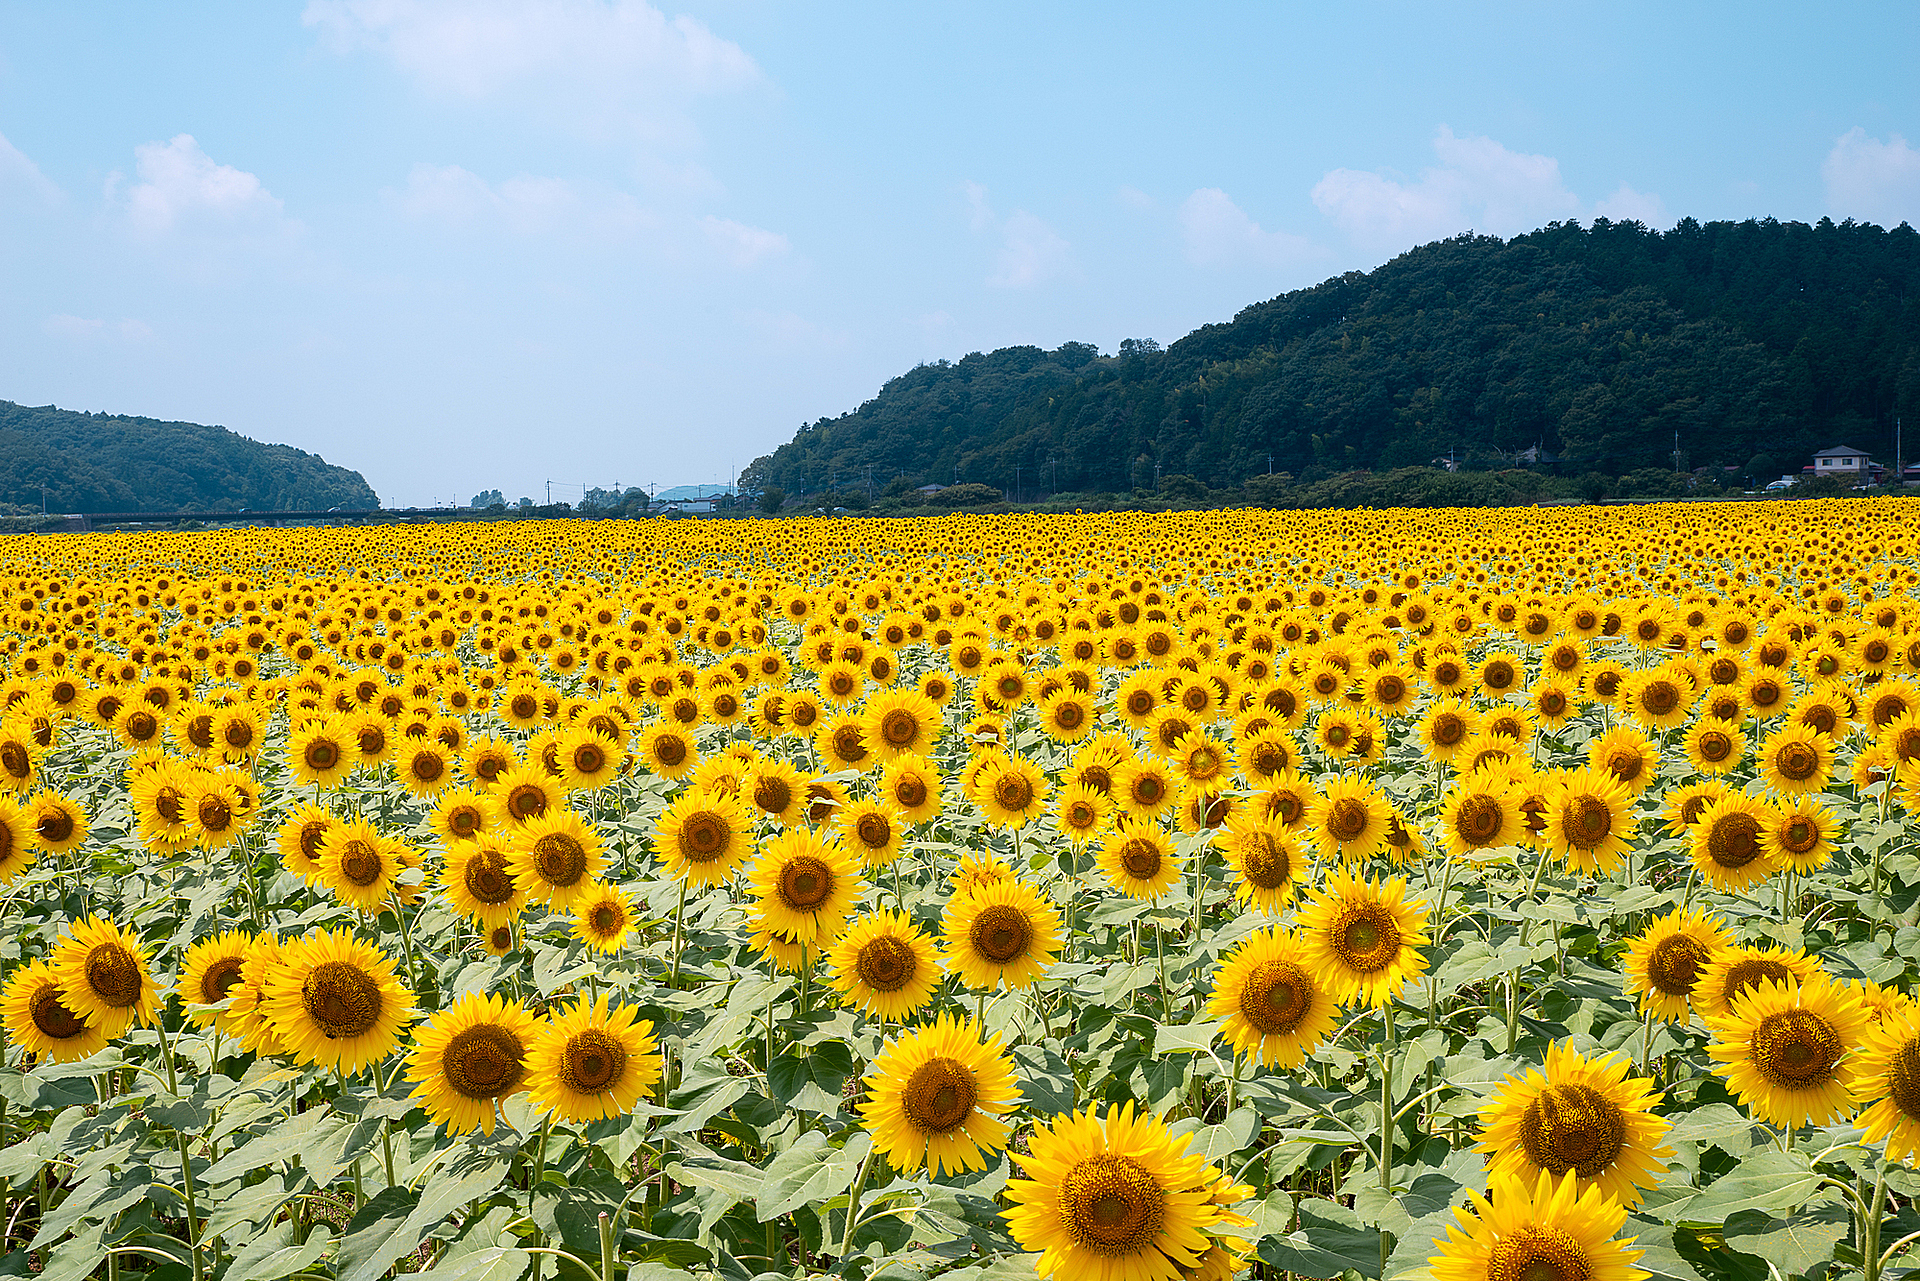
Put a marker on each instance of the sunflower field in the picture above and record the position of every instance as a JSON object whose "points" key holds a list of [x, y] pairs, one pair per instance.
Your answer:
{"points": [[1475, 895]]}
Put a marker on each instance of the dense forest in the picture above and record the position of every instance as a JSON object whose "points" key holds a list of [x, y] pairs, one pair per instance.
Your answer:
{"points": [[1575, 352], [110, 462]]}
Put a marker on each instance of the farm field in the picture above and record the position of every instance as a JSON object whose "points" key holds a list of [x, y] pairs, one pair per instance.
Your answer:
{"points": [[1494, 895]]}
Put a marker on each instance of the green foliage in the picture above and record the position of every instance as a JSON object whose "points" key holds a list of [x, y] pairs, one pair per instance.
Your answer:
{"points": [[111, 462], [1754, 341], [772, 500], [966, 495]]}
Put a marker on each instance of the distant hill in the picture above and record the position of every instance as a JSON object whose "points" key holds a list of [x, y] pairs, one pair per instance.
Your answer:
{"points": [[681, 492], [111, 462], [1757, 342]]}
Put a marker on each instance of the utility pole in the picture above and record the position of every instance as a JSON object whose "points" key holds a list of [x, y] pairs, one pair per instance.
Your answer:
{"points": [[1016, 482], [1676, 451], [1269, 462], [1899, 456], [549, 493]]}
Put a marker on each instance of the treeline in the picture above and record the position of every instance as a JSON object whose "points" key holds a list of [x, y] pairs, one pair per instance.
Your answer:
{"points": [[1579, 353], [110, 462]]}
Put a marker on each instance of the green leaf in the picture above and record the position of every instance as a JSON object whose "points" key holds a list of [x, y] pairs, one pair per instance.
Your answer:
{"points": [[1187, 1038], [1709, 1123], [809, 1172], [273, 1255], [1046, 1081], [299, 1135], [252, 1204], [494, 1263], [1769, 1179], [1794, 1244], [394, 1222], [1330, 1240]]}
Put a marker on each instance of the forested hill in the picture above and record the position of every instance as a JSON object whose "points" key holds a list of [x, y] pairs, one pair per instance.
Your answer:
{"points": [[1758, 342], [110, 462]]}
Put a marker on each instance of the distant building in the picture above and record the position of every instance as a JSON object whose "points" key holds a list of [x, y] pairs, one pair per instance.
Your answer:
{"points": [[925, 490], [1844, 462]]}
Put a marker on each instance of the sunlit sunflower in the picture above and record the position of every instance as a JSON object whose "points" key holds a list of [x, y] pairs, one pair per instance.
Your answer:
{"points": [[1583, 1115], [472, 1055], [1277, 1011], [51, 822], [1114, 1198], [589, 1062], [1481, 813], [159, 802], [885, 966], [1267, 863], [900, 722], [103, 976], [1144, 789], [1799, 834], [459, 816], [1011, 794], [1739, 968], [1588, 820], [301, 838], [18, 851], [804, 886], [498, 940], [1363, 939], [1001, 932], [1665, 962], [1067, 715], [1138, 859], [976, 870], [703, 836], [1889, 1056], [424, 766], [479, 885], [1726, 845], [872, 829], [1289, 801], [914, 786], [522, 794], [556, 858], [1682, 806], [246, 1015], [1200, 760], [1787, 1051], [334, 1001], [1627, 754], [1265, 756], [38, 1020], [1081, 813], [1796, 760], [1657, 697], [603, 917], [935, 1096], [1446, 728], [589, 759], [668, 751], [360, 866], [1350, 818], [1714, 746], [209, 972], [776, 789], [1542, 1229], [487, 758]]}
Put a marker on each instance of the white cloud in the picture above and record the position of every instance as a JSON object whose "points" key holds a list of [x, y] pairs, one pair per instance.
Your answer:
{"points": [[791, 332], [1628, 205], [1134, 198], [1214, 231], [1478, 185], [740, 245], [1871, 180], [81, 328], [183, 188], [19, 176], [590, 59], [1031, 252]]}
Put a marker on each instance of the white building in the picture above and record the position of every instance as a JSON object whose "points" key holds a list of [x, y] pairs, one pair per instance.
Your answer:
{"points": [[1843, 461]]}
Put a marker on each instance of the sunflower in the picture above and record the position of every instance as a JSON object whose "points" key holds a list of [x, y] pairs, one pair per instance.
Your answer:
{"points": [[1665, 962], [804, 885], [1200, 760], [900, 722], [775, 788], [1787, 1051], [38, 1020], [1627, 754], [1289, 801], [236, 733], [334, 1001], [1656, 697], [498, 940], [603, 917], [1799, 835], [479, 885], [487, 758], [1446, 729], [1011, 792], [459, 816], [703, 837], [246, 1012], [1115, 1198], [1736, 969], [1350, 819], [159, 800], [18, 849], [1481, 813], [885, 966], [1143, 789], [841, 743], [1588, 820], [215, 809], [873, 829], [1067, 715], [589, 1062], [1584, 1116], [788, 955], [360, 866], [668, 751], [1890, 1074], [1796, 760], [823, 799], [1266, 861], [976, 870], [1081, 812], [1138, 859], [1277, 1012], [936, 1095], [472, 1055], [1002, 932], [914, 786], [1726, 845], [556, 858], [424, 766], [1536, 1230], [138, 725], [1265, 756], [1362, 938], [522, 794], [103, 976], [1714, 746], [51, 822], [209, 972]]}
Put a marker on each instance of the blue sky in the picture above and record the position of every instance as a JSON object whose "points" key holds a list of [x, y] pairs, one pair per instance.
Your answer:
{"points": [[473, 244]]}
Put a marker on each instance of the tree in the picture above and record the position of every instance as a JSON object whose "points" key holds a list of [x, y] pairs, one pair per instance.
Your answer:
{"points": [[489, 498], [772, 499]]}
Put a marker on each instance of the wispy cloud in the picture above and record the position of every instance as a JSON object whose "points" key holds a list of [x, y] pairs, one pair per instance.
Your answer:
{"points": [[1628, 205], [84, 329], [1214, 231], [1030, 252], [181, 188], [21, 179], [1871, 180]]}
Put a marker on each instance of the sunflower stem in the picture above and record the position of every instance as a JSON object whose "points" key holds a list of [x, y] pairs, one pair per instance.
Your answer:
{"points": [[679, 913], [1386, 1106], [606, 1246], [1870, 1225], [406, 939], [853, 1202]]}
